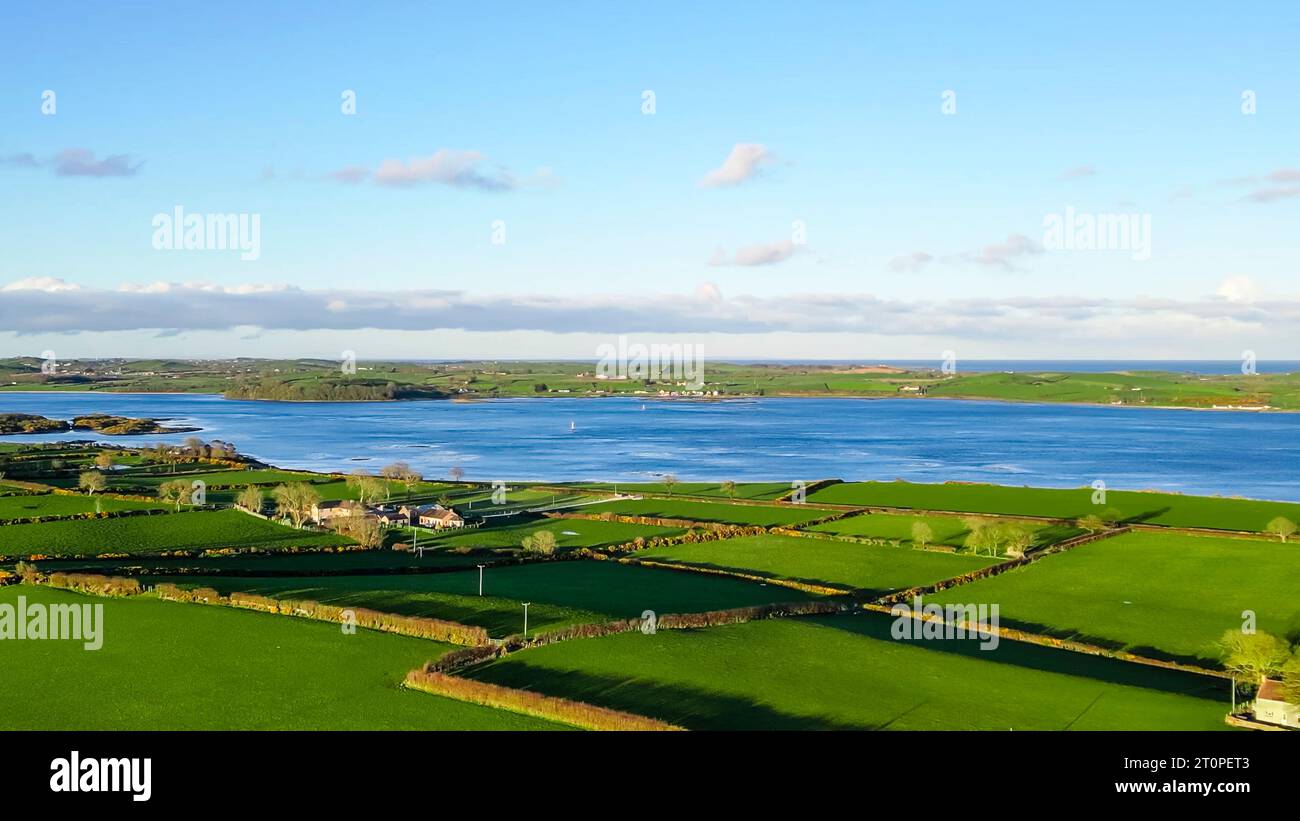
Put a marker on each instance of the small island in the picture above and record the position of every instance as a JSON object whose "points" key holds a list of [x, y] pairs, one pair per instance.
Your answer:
{"points": [[15, 423]]}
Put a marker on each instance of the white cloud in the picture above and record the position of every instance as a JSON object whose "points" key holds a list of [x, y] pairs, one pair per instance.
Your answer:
{"points": [[48, 284], [1079, 171], [1003, 254], [1029, 322], [744, 161], [769, 253], [1238, 289], [446, 166], [910, 263]]}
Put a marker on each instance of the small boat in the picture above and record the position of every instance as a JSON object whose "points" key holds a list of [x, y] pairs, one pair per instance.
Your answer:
{"points": [[572, 427]]}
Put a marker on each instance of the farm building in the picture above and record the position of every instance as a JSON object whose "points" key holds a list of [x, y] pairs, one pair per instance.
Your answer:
{"points": [[436, 517], [1272, 708], [324, 511]]}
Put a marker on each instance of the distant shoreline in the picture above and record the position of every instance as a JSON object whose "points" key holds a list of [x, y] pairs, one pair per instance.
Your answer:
{"points": [[656, 398]]}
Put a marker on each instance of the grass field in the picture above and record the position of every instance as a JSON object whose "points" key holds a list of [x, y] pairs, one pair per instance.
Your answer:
{"points": [[197, 530], [561, 593], [568, 533], [844, 672], [763, 491], [874, 569], [1168, 509], [1160, 594], [947, 530], [697, 511], [170, 666], [58, 504]]}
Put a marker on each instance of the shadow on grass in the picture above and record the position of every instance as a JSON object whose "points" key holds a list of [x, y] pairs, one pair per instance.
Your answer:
{"points": [[1046, 659], [870, 592], [685, 706]]}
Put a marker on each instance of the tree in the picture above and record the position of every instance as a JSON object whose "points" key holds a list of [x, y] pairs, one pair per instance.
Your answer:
{"points": [[91, 481], [1291, 678], [1281, 527], [729, 488], [456, 474], [295, 500], [195, 446], [1253, 655], [104, 460], [410, 479], [364, 530], [1091, 523], [981, 534], [367, 487], [251, 498], [669, 482], [541, 542], [175, 491], [922, 535], [1018, 539], [396, 472]]}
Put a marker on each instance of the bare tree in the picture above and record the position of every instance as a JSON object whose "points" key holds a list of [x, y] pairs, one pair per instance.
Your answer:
{"points": [[92, 481], [175, 491], [1281, 527], [251, 498]]}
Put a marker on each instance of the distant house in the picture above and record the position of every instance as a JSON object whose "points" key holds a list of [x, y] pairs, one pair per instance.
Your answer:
{"points": [[436, 517], [1271, 708], [919, 390], [324, 511]]}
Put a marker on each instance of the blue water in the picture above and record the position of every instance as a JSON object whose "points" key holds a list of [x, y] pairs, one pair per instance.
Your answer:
{"points": [[1204, 452]]}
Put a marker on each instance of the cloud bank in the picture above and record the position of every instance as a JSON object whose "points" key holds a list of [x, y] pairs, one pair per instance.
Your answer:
{"points": [[45, 305]]}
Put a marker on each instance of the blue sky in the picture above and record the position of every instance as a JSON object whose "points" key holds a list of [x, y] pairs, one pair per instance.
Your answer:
{"points": [[909, 212]]}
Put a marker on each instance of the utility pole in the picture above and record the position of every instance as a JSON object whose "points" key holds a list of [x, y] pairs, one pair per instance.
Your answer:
{"points": [[526, 618], [480, 583]]}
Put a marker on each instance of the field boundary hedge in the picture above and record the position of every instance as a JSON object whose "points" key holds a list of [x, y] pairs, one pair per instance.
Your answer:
{"points": [[84, 515], [631, 519], [421, 627], [90, 583], [564, 711]]}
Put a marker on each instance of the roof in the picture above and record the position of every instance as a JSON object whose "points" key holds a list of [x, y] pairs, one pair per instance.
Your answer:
{"points": [[1270, 690]]}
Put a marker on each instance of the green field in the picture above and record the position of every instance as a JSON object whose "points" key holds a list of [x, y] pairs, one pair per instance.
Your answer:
{"points": [[823, 561], [697, 511], [59, 504], [845, 672], [1168, 509], [947, 530], [197, 530], [171, 666], [761, 491], [561, 593], [568, 533], [1158, 594]]}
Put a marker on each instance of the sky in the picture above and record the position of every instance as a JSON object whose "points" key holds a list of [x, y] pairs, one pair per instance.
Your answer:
{"points": [[812, 180]]}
